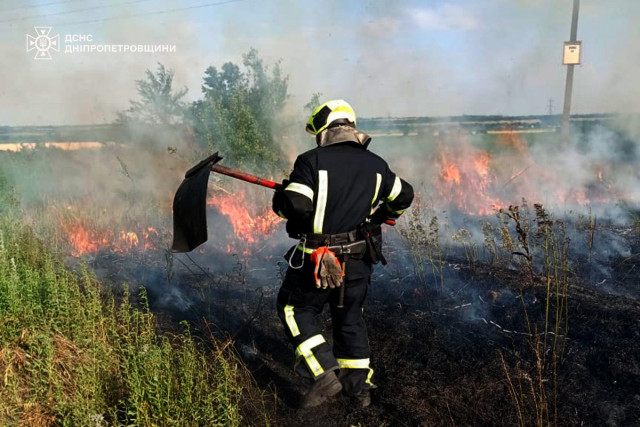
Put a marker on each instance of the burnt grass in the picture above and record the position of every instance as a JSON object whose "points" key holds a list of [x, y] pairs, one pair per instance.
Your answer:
{"points": [[435, 366], [461, 353]]}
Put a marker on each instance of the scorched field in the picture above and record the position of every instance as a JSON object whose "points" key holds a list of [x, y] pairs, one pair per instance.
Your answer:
{"points": [[510, 297]]}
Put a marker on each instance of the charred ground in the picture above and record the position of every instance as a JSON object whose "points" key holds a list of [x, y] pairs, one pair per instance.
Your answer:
{"points": [[472, 349]]}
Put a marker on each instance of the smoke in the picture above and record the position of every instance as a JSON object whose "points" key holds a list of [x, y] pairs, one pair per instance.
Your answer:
{"points": [[400, 59], [89, 87]]}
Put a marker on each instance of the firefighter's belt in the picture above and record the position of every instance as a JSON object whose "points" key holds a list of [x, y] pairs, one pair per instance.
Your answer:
{"points": [[341, 244], [355, 249], [317, 240]]}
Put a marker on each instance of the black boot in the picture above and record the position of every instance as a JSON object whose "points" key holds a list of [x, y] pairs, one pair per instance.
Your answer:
{"points": [[355, 384], [323, 388]]}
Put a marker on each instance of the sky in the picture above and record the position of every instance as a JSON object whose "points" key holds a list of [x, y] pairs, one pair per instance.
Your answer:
{"points": [[388, 59]]}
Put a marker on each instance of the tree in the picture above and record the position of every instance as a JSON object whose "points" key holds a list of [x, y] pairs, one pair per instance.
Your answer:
{"points": [[158, 103], [313, 103], [239, 112]]}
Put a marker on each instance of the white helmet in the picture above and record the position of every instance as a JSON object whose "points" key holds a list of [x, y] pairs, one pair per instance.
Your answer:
{"points": [[329, 112]]}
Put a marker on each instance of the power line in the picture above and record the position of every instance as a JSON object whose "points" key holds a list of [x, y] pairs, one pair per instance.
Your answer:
{"points": [[113, 18], [68, 12], [38, 5]]}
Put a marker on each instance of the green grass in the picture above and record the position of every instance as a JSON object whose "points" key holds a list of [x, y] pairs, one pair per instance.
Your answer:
{"points": [[73, 354]]}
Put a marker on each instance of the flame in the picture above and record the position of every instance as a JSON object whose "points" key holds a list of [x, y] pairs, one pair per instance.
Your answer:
{"points": [[481, 164], [449, 171], [86, 236], [86, 240], [465, 179], [248, 227], [82, 240], [477, 182], [129, 238], [149, 234]]}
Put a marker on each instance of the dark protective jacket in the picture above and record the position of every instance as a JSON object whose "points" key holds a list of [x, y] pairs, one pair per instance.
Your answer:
{"points": [[335, 187]]}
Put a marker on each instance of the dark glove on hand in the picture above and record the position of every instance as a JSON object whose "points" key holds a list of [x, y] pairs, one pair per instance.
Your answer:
{"points": [[379, 216], [285, 183], [278, 197]]}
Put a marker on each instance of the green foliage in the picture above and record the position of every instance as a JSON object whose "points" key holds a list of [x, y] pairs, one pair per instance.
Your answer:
{"points": [[8, 199], [239, 112], [313, 103], [158, 103], [71, 355]]}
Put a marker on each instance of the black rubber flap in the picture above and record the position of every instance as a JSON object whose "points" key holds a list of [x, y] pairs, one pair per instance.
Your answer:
{"points": [[190, 212]]}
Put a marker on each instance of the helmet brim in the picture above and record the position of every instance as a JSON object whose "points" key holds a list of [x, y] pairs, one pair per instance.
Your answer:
{"points": [[309, 129]]}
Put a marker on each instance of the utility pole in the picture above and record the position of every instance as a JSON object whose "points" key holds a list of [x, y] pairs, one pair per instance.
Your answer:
{"points": [[570, 57], [550, 107]]}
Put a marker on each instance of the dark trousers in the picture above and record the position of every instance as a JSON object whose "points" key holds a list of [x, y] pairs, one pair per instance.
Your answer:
{"points": [[299, 305]]}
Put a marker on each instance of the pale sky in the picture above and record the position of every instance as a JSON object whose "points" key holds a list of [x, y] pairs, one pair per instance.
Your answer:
{"points": [[400, 58]]}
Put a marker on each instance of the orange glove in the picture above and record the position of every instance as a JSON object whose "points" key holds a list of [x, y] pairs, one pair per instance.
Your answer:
{"points": [[328, 271]]}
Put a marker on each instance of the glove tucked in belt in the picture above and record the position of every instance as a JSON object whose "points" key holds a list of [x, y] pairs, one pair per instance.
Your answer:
{"points": [[328, 272]]}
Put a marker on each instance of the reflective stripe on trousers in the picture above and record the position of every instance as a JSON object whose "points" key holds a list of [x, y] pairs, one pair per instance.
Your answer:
{"points": [[357, 364], [304, 350], [291, 321]]}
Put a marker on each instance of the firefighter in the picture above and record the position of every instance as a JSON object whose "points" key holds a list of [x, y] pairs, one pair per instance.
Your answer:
{"points": [[335, 199]]}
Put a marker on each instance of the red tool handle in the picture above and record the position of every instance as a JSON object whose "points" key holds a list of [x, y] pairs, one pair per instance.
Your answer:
{"points": [[244, 176]]}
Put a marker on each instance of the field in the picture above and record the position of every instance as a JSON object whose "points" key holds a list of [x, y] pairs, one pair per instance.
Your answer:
{"points": [[510, 298]]}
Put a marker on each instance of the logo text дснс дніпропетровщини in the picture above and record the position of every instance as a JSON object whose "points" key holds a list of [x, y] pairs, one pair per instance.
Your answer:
{"points": [[42, 42]]}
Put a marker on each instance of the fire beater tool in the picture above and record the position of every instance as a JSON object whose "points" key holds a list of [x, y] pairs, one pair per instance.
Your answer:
{"points": [[190, 202]]}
